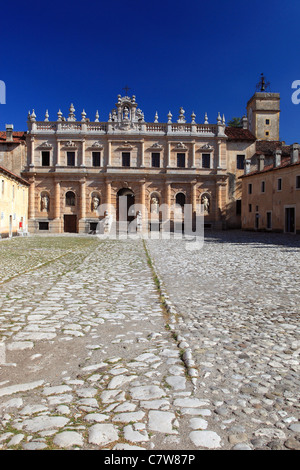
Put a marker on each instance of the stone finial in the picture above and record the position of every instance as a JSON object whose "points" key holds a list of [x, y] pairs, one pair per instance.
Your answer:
{"points": [[72, 113], [181, 117], [219, 119], [33, 116], [46, 116], [206, 119], [156, 117], [83, 116], [169, 117], [193, 117], [59, 115], [97, 116], [223, 120]]}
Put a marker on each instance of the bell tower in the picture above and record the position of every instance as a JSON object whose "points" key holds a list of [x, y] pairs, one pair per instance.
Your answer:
{"points": [[263, 111]]}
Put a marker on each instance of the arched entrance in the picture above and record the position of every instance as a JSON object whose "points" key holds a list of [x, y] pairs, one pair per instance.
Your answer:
{"points": [[125, 203]]}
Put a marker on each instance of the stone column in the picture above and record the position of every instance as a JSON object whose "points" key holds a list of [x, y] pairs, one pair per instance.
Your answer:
{"points": [[108, 192], [218, 206], [82, 209], [193, 155], [31, 200], [58, 153], [82, 153], [142, 155], [169, 155], [57, 200], [83, 199], [31, 151], [194, 197], [108, 153]]}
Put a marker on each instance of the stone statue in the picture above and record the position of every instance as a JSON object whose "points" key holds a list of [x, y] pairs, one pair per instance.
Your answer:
{"points": [[154, 205], [205, 202], [45, 203], [96, 202]]}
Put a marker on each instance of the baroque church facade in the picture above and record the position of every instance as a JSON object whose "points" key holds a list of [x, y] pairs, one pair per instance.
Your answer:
{"points": [[74, 166]]}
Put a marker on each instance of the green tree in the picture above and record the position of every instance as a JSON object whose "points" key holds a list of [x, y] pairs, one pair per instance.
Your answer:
{"points": [[235, 122]]}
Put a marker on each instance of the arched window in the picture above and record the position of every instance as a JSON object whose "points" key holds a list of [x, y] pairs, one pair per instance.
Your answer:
{"points": [[70, 198]]}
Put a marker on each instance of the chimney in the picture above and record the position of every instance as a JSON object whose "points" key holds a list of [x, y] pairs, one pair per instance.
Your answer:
{"points": [[247, 166], [9, 132], [278, 153], [261, 162], [245, 122], [294, 153]]}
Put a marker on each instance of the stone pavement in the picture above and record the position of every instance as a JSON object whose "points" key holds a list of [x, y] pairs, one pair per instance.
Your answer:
{"points": [[146, 345]]}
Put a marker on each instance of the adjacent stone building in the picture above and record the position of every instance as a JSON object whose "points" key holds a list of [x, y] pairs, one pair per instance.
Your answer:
{"points": [[13, 150], [271, 191], [73, 166], [13, 204]]}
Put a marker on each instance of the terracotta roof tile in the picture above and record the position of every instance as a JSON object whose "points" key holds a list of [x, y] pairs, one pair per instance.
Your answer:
{"points": [[238, 133], [18, 136]]}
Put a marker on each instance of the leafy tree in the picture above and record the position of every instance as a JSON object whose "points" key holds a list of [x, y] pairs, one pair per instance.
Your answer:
{"points": [[235, 122]]}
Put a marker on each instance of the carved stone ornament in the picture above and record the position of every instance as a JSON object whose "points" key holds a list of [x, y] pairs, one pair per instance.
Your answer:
{"points": [[97, 145], [46, 145], [207, 148], [157, 146], [70, 144], [181, 146]]}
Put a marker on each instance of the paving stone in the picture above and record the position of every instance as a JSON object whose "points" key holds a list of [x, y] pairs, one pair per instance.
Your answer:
{"points": [[102, 434], [67, 439]]}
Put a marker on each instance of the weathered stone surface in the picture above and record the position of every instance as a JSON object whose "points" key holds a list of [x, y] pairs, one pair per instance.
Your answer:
{"points": [[102, 434]]}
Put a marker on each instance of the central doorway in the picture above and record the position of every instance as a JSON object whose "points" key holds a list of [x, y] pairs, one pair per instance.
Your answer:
{"points": [[70, 223], [125, 209]]}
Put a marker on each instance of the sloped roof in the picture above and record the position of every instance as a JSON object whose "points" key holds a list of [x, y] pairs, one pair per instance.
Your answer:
{"points": [[238, 133], [13, 175], [18, 136]]}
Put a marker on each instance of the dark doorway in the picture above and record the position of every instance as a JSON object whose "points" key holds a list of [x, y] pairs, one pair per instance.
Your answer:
{"points": [[180, 200], [70, 223], [290, 219], [125, 209]]}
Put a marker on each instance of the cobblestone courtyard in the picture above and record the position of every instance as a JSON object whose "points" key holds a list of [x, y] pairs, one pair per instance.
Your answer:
{"points": [[111, 344]]}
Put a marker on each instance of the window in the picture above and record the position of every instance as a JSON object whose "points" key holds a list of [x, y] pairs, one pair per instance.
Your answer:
{"points": [[238, 207], [267, 122], [269, 220], [125, 159], [96, 158], [267, 133], [250, 188], [250, 207], [70, 198], [13, 191], [2, 187], [206, 160], [279, 184], [263, 186], [240, 159], [43, 225], [71, 158], [46, 158], [297, 182], [155, 160], [181, 160]]}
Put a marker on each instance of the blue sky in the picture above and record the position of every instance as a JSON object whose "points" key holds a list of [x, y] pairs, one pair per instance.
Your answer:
{"points": [[204, 56]]}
